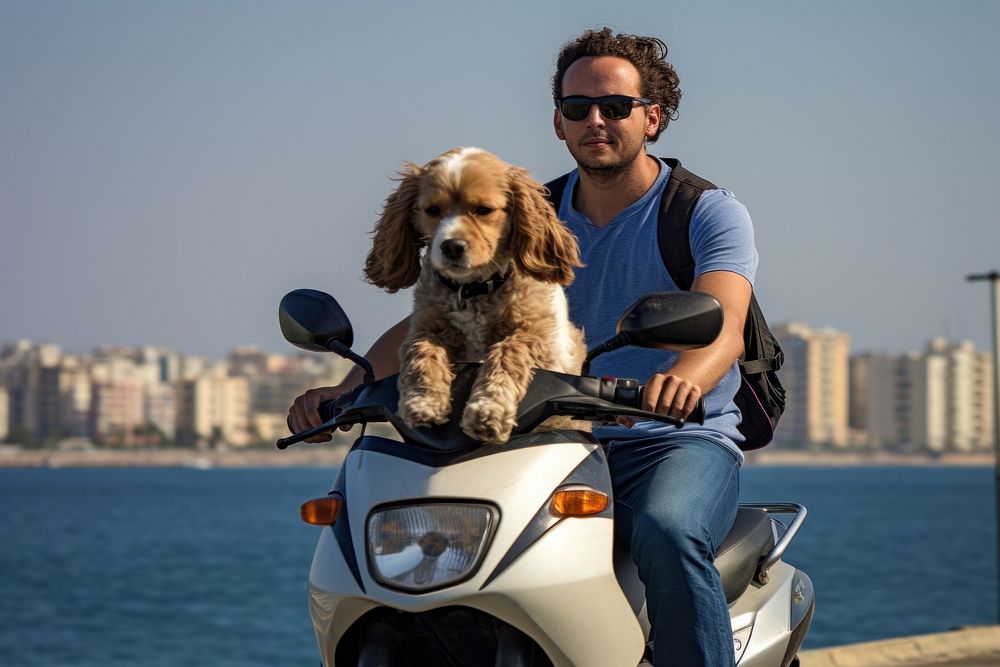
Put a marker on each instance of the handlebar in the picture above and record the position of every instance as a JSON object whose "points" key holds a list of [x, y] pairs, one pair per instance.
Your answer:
{"points": [[551, 393], [625, 391]]}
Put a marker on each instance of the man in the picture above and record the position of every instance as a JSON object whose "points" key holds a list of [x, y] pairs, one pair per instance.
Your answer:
{"points": [[676, 490]]}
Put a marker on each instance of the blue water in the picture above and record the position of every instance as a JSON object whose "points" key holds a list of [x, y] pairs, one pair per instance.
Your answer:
{"points": [[115, 567]]}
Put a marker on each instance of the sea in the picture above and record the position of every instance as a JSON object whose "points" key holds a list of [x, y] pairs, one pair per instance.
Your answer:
{"points": [[177, 566]]}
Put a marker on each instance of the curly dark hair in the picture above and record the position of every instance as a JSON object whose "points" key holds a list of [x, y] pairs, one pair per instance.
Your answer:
{"points": [[659, 82]]}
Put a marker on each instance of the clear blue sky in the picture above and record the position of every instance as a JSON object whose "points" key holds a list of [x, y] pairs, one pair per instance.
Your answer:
{"points": [[170, 169]]}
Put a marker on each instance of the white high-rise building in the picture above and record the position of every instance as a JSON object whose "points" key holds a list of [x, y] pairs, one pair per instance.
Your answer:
{"points": [[815, 378], [4, 414]]}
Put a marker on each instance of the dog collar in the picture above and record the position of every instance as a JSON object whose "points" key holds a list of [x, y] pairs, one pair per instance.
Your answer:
{"points": [[476, 287]]}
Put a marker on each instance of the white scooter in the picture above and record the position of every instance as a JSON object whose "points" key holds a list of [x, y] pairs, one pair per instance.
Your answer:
{"points": [[438, 551]]}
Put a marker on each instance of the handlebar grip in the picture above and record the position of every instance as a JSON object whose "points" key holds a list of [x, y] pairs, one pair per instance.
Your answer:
{"points": [[697, 415], [328, 409]]}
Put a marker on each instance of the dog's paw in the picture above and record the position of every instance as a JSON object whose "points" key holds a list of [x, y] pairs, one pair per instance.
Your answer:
{"points": [[487, 421], [424, 409]]}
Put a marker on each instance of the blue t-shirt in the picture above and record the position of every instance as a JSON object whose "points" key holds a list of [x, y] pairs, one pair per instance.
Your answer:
{"points": [[622, 262]]}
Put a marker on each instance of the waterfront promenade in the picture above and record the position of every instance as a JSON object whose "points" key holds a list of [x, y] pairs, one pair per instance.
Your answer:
{"points": [[966, 647]]}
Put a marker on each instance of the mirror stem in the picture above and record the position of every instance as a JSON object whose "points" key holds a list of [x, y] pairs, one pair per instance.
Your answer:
{"points": [[619, 341], [336, 346]]}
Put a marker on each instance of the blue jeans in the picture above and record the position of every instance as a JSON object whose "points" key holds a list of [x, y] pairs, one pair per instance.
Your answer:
{"points": [[675, 500]]}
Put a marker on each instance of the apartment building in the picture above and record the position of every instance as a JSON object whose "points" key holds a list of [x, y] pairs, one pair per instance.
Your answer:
{"points": [[41, 404], [4, 414], [214, 409], [116, 411], [75, 398], [815, 377]]}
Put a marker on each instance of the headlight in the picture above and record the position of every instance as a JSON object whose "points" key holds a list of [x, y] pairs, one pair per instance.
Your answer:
{"points": [[420, 547]]}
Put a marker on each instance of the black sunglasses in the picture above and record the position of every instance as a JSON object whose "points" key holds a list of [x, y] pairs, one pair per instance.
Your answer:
{"points": [[613, 107]]}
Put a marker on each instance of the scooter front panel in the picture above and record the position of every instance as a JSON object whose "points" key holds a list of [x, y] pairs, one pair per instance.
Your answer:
{"points": [[517, 482], [578, 607], [561, 590]]}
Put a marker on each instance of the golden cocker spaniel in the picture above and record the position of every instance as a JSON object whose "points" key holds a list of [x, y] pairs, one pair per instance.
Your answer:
{"points": [[488, 287]]}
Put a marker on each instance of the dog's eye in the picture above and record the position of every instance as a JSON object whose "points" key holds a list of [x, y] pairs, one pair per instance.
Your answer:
{"points": [[483, 210], [433, 211]]}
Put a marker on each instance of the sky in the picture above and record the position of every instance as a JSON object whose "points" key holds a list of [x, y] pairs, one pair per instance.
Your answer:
{"points": [[168, 170]]}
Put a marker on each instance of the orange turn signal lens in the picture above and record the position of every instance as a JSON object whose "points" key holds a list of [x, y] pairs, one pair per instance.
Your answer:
{"points": [[322, 511], [578, 502]]}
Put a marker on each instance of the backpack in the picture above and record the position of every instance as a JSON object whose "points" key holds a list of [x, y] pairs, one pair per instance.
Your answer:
{"points": [[761, 398]]}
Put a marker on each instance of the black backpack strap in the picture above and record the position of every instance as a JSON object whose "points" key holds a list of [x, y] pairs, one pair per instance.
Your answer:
{"points": [[673, 234], [678, 202], [556, 188]]}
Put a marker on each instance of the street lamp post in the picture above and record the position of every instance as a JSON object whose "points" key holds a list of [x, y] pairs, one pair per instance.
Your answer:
{"points": [[994, 278]]}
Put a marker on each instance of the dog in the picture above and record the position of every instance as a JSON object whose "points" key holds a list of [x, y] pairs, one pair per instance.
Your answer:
{"points": [[489, 258]]}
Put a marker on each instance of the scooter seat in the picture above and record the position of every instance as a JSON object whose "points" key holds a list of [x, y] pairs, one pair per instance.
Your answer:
{"points": [[739, 555]]}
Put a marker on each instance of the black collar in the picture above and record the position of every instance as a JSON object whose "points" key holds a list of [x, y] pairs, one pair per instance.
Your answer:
{"points": [[476, 287]]}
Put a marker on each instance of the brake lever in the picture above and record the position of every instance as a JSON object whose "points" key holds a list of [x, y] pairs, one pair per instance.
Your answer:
{"points": [[283, 443]]}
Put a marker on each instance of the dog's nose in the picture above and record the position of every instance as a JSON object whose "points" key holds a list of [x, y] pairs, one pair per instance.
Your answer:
{"points": [[453, 248]]}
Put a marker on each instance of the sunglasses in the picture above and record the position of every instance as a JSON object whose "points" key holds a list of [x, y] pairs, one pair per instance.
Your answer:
{"points": [[613, 107]]}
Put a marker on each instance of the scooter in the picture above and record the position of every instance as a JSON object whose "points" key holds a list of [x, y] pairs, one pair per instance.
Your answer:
{"points": [[436, 550]]}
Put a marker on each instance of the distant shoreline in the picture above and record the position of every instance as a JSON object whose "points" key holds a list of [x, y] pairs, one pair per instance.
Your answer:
{"points": [[318, 456], [332, 456], [778, 457]]}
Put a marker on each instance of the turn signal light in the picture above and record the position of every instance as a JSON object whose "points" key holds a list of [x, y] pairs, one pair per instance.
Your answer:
{"points": [[578, 502], [322, 511]]}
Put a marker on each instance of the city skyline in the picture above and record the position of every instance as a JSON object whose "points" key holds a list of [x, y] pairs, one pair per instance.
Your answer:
{"points": [[936, 399], [171, 170], [290, 350]]}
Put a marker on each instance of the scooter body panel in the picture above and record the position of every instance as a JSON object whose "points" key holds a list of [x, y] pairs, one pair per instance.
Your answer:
{"points": [[770, 613]]}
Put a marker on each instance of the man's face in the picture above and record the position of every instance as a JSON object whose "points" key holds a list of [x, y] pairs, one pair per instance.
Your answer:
{"points": [[600, 145]]}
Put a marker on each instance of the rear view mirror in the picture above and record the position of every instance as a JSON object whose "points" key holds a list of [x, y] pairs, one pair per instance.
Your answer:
{"points": [[672, 320], [313, 320], [666, 320]]}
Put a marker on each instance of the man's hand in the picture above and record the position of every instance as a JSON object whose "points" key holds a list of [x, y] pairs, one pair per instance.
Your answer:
{"points": [[304, 412], [672, 395]]}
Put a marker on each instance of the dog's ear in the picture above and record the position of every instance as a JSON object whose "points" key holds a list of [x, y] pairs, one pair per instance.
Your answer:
{"points": [[541, 245], [393, 263]]}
